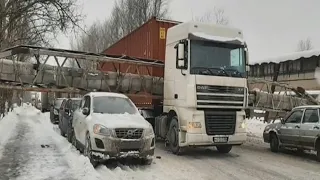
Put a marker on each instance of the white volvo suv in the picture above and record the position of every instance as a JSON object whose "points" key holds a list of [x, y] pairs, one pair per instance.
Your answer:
{"points": [[109, 126]]}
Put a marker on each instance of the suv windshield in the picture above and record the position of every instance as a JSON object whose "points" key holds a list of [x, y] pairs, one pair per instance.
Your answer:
{"points": [[113, 105], [217, 59], [58, 103]]}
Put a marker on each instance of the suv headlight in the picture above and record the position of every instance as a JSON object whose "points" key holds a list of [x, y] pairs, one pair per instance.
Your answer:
{"points": [[99, 129], [149, 131], [55, 111]]}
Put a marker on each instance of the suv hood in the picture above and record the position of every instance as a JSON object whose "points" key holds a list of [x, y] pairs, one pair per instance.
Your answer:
{"points": [[120, 120]]}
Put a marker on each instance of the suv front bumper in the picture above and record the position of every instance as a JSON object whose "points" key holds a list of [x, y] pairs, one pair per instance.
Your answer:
{"points": [[105, 148]]}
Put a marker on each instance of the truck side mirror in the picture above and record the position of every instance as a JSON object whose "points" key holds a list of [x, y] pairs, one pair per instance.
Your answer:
{"points": [[181, 59], [247, 68]]}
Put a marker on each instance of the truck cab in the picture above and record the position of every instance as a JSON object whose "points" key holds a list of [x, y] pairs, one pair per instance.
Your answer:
{"points": [[205, 87]]}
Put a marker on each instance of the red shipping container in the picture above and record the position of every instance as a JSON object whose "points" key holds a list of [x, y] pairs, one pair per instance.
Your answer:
{"points": [[146, 42]]}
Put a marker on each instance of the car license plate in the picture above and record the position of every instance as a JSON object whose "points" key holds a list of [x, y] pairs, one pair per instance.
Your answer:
{"points": [[220, 139]]}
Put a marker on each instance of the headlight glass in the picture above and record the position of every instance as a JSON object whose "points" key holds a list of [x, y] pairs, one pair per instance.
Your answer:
{"points": [[99, 129]]}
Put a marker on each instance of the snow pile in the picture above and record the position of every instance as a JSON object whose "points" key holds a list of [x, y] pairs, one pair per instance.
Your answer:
{"points": [[8, 125], [255, 127], [80, 165], [217, 38]]}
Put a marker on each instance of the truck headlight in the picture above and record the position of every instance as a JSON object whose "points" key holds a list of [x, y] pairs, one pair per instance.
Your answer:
{"points": [[149, 131], [193, 125], [99, 129], [242, 125]]}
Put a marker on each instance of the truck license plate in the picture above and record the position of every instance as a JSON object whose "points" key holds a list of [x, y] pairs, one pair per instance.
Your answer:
{"points": [[220, 139]]}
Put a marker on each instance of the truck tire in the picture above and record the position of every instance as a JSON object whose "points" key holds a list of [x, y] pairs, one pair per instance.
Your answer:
{"points": [[224, 149], [173, 136]]}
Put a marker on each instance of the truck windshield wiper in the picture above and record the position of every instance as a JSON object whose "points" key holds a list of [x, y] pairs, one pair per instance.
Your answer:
{"points": [[220, 69], [235, 71], [204, 69]]}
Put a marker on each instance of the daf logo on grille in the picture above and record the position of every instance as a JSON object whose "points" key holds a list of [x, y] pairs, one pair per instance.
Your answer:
{"points": [[202, 87]]}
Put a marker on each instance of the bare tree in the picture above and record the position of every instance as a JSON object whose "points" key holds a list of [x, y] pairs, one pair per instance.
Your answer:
{"points": [[305, 45], [217, 15], [35, 22], [126, 16]]}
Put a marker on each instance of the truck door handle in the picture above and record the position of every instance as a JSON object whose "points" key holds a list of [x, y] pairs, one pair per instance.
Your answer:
{"points": [[316, 127], [297, 126]]}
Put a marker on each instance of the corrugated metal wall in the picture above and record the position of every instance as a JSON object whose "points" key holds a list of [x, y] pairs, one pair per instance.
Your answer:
{"points": [[147, 42]]}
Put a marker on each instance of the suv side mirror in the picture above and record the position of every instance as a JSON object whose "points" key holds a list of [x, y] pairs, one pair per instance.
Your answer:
{"points": [[85, 111], [181, 56]]}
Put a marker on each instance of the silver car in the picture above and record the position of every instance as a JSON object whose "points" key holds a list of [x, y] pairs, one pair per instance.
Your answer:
{"points": [[109, 126], [299, 129]]}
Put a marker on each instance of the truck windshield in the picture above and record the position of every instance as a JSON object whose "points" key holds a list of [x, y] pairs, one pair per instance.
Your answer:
{"points": [[217, 59], [113, 105]]}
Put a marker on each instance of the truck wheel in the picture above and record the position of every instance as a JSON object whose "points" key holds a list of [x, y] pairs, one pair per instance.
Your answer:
{"points": [[274, 142], [88, 151], [173, 136], [224, 148]]}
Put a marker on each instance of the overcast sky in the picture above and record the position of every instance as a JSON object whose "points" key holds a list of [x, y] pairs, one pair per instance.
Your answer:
{"points": [[270, 27]]}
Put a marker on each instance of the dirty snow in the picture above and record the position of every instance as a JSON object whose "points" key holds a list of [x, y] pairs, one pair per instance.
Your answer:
{"points": [[47, 155], [7, 127]]}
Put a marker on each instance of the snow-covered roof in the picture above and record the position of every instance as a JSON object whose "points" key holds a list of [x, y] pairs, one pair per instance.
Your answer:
{"points": [[110, 94], [292, 56], [217, 38]]}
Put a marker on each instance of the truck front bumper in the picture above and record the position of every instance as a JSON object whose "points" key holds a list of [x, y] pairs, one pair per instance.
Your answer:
{"points": [[206, 140], [105, 148]]}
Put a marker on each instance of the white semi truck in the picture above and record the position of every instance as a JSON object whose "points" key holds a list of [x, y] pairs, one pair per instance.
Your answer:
{"points": [[205, 87]]}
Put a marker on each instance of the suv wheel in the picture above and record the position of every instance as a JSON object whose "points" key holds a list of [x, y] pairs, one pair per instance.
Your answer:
{"points": [[69, 132], [88, 151], [274, 142]]}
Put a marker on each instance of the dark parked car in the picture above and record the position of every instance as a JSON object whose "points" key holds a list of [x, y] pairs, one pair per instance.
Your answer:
{"points": [[300, 130], [68, 106], [54, 110]]}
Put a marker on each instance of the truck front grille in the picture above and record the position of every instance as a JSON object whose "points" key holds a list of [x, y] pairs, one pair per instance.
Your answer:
{"points": [[129, 133], [220, 96], [220, 122]]}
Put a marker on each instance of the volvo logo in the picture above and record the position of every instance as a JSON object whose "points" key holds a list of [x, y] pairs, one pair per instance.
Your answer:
{"points": [[130, 133]]}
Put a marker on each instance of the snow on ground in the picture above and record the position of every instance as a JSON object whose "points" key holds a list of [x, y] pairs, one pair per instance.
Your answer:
{"points": [[38, 151], [7, 126], [255, 126], [80, 167]]}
